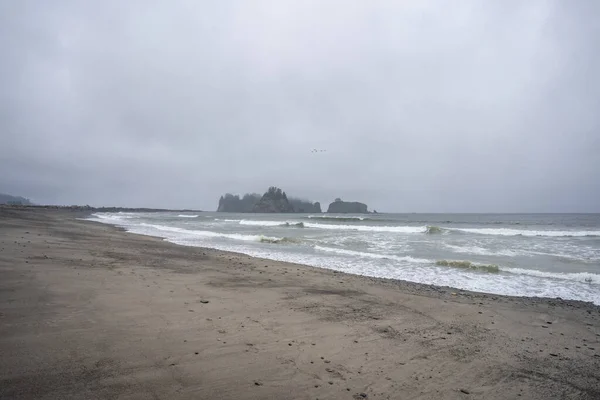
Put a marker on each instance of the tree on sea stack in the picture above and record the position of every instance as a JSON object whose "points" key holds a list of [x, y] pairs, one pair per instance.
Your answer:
{"points": [[273, 201]]}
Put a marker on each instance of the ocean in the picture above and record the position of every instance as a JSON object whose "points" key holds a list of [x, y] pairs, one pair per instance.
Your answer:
{"points": [[542, 255]]}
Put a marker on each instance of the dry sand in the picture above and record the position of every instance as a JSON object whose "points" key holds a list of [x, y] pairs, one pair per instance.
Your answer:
{"points": [[88, 311]]}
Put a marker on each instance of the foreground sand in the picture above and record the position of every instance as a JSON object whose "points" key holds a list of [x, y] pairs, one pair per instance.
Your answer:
{"points": [[90, 312]]}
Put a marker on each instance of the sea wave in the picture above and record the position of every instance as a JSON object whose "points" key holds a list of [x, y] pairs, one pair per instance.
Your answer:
{"points": [[113, 217], [293, 225], [271, 240], [369, 228], [371, 255], [259, 223], [211, 234], [468, 265], [338, 218], [480, 251], [433, 230], [337, 227], [187, 216], [587, 277], [523, 232]]}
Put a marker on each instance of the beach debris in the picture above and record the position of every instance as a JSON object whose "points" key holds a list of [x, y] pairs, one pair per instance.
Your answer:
{"points": [[204, 301], [258, 383], [465, 391]]}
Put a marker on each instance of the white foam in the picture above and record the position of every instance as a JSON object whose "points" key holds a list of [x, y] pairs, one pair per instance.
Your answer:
{"points": [[524, 232], [261, 223], [373, 255], [368, 228], [210, 234], [187, 216], [336, 217], [587, 277], [480, 251]]}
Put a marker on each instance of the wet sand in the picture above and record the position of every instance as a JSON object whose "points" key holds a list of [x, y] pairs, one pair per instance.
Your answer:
{"points": [[88, 311]]}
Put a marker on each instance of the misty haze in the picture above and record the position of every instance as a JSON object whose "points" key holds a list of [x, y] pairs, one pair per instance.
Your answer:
{"points": [[421, 106], [333, 199]]}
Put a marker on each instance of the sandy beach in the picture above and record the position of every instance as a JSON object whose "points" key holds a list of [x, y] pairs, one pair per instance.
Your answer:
{"points": [[88, 311]]}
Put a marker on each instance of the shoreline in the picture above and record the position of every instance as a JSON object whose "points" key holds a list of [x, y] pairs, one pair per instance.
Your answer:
{"points": [[416, 286], [91, 310]]}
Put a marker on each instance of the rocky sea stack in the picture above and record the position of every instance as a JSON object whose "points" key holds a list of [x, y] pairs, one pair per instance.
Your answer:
{"points": [[273, 201], [347, 207]]}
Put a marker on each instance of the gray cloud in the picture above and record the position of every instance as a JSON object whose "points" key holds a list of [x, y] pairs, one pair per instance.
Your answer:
{"points": [[422, 106]]}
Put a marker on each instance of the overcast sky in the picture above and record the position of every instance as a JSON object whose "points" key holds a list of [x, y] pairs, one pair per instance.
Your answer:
{"points": [[424, 106]]}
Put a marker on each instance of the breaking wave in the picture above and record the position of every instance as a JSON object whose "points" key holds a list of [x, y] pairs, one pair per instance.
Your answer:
{"points": [[523, 232], [293, 225], [339, 219], [468, 265], [369, 228], [187, 216], [480, 251], [587, 277], [372, 255], [432, 230], [259, 223], [272, 240], [210, 234]]}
